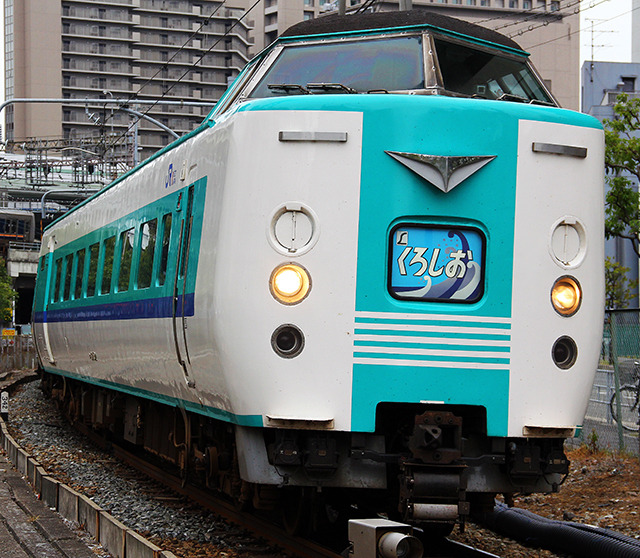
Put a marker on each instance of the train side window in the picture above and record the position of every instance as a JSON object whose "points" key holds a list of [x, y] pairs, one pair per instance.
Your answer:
{"points": [[68, 268], [94, 250], [107, 264], [56, 280], [79, 273], [43, 259], [126, 254], [186, 240], [164, 256], [148, 232]]}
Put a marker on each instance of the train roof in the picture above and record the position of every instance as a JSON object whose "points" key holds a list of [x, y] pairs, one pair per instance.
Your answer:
{"points": [[385, 20], [13, 212]]}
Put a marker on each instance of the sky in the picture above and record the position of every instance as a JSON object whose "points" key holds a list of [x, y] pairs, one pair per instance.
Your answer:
{"points": [[606, 30]]}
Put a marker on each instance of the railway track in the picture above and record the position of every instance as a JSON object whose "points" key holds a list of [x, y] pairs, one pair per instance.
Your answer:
{"points": [[439, 548], [259, 527]]}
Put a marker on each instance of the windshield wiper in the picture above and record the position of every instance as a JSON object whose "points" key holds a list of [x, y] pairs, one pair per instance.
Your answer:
{"points": [[331, 87], [514, 98], [288, 88], [543, 103]]}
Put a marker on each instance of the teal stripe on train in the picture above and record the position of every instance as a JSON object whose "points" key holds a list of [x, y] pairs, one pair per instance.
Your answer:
{"points": [[213, 412], [157, 209]]}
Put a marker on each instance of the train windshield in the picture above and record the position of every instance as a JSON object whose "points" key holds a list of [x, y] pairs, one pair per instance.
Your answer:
{"points": [[477, 73], [397, 64], [389, 64]]}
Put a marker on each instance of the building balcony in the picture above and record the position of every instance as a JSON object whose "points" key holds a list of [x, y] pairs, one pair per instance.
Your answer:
{"points": [[92, 71], [611, 96], [68, 35], [122, 3], [77, 18]]}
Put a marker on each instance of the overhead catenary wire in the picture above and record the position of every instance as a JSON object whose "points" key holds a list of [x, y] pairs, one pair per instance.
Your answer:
{"points": [[545, 23], [183, 47], [578, 30], [533, 13], [185, 73], [205, 22]]}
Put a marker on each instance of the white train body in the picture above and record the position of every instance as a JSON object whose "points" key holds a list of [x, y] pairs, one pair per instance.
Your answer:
{"points": [[323, 182]]}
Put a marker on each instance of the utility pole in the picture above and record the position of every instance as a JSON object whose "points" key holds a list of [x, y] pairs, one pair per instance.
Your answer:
{"points": [[594, 45]]}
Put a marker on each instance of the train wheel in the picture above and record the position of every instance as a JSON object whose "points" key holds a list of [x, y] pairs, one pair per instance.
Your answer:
{"points": [[296, 507], [434, 531], [242, 495]]}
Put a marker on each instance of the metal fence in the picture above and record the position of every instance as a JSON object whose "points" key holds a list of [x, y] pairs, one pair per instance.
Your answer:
{"points": [[17, 352], [619, 365]]}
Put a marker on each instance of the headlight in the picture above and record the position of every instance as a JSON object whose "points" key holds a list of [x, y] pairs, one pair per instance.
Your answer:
{"points": [[290, 283], [566, 296]]}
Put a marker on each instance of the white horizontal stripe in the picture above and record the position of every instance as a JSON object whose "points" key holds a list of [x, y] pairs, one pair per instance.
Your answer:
{"points": [[429, 352], [431, 340], [436, 328], [432, 364], [442, 317]]}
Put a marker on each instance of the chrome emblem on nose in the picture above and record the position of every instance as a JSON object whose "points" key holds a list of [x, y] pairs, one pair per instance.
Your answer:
{"points": [[444, 172]]}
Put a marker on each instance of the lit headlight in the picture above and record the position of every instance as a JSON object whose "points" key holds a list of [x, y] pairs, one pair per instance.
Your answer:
{"points": [[290, 283], [566, 296]]}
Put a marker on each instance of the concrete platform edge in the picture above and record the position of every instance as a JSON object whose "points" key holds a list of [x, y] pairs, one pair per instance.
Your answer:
{"points": [[77, 507]]}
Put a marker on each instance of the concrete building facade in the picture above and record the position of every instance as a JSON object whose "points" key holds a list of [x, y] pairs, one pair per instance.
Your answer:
{"points": [[548, 29], [134, 49]]}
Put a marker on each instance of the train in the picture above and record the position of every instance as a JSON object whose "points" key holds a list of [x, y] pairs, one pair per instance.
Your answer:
{"points": [[16, 225], [370, 282]]}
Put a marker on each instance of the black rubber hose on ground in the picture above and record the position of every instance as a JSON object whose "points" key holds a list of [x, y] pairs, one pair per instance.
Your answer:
{"points": [[574, 539]]}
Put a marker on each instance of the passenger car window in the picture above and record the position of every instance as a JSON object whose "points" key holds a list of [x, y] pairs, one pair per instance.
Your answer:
{"points": [[148, 233], [79, 273], [126, 254], [107, 264], [56, 280], [164, 256], [68, 268], [94, 250]]}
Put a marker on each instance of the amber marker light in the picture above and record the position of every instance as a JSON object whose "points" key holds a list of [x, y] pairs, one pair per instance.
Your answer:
{"points": [[566, 296], [290, 283]]}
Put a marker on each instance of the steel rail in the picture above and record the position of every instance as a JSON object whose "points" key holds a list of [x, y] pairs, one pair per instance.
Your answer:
{"points": [[260, 527]]}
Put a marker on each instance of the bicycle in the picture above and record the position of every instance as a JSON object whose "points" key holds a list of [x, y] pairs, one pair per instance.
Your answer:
{"points": [[629, 403]]}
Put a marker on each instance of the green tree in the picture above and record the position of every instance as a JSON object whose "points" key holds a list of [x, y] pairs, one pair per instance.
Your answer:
{"points": [[7, 294], [618, 286], [622, 161]]}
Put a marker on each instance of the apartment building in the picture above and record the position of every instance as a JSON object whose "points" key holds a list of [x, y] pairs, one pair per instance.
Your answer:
{"points": [[143, 50]]}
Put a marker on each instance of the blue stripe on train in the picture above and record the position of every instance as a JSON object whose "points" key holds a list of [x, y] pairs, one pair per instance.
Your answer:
{"points": [[133, 310]]}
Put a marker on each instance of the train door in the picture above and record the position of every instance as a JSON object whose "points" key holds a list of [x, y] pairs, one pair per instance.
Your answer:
{"points": [[182, 300], [44, 346]]}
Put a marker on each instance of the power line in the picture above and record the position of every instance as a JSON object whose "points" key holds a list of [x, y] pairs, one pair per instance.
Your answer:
{"points": [[534, 12], [165, 65], [134, 95], [578, 30], [534, 27], [193, 65]]}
